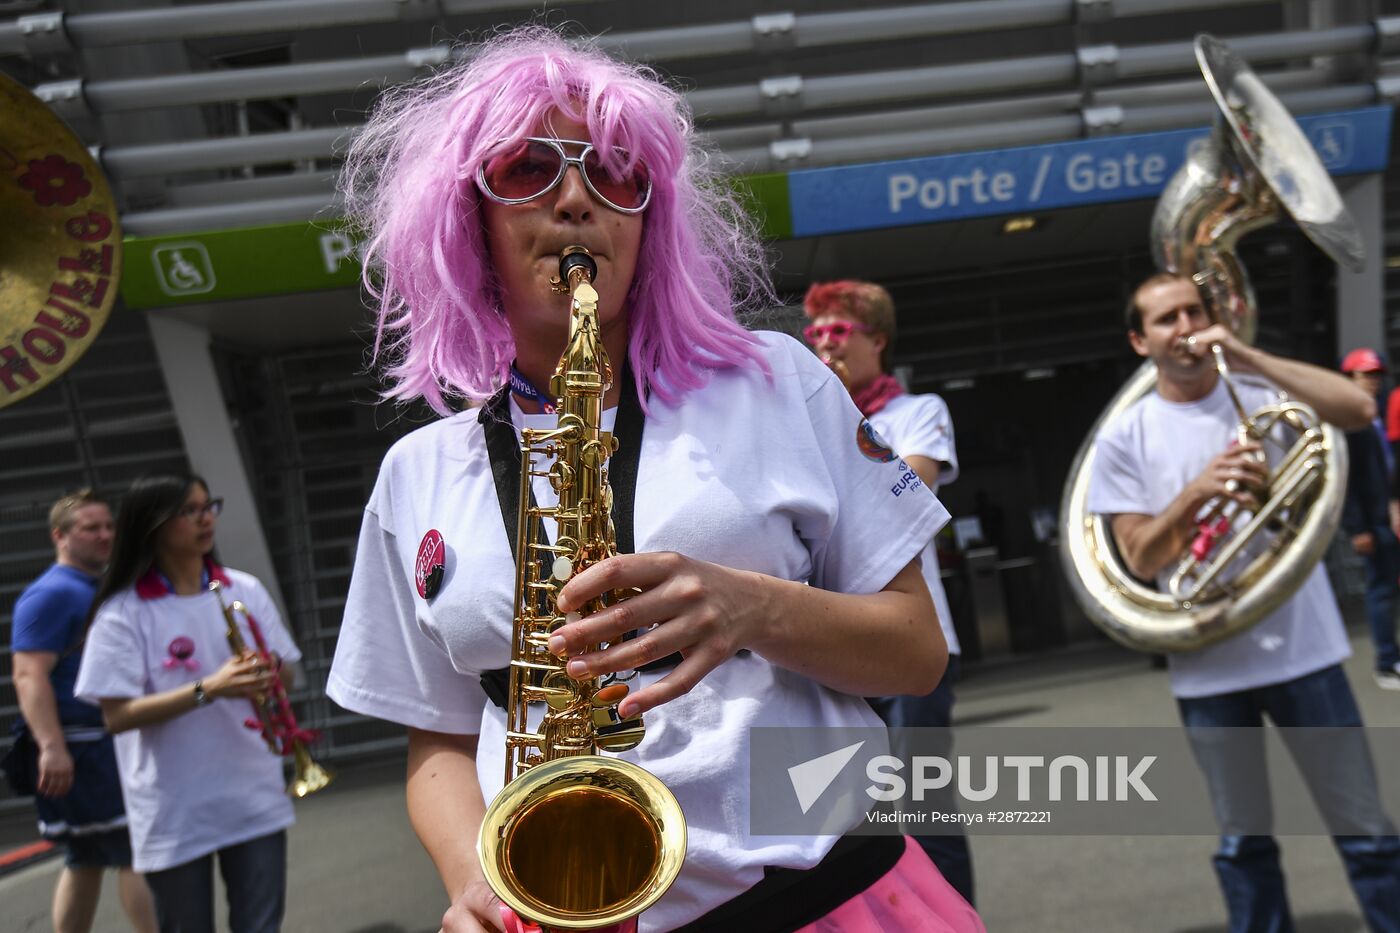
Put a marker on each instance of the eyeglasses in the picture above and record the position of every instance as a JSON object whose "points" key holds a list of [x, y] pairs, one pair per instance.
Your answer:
{"points": [[536, 165], [194, 513], [839, 331]]}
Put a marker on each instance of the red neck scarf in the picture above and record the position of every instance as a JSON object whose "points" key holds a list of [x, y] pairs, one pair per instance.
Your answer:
{"points": [[154, 584], [877, 394]]}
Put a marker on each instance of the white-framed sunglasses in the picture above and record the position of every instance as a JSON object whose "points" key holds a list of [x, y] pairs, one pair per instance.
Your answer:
{"points": [[536, 165]]}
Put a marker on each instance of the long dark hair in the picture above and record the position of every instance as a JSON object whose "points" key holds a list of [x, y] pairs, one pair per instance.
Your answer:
{"points": [[148, 504]]}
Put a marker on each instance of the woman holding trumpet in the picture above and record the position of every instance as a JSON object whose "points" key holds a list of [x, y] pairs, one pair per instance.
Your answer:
{"points": [[199, 782], [751, 482]]}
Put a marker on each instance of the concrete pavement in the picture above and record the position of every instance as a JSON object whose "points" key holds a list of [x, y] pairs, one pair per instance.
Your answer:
{"points": [[357, 868]]}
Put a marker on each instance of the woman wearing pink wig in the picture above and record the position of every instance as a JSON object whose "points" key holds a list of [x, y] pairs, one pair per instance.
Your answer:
{"points": [[764, 520]]}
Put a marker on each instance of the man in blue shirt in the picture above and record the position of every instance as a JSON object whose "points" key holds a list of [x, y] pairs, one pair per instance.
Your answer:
{"points": [[78, 792]]}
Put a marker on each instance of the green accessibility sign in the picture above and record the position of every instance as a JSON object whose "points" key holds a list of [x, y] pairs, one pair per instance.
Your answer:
{"points": [[246, 263], [253, 262]]}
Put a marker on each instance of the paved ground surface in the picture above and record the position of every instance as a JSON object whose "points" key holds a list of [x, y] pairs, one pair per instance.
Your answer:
{"points": [[357, 868]]}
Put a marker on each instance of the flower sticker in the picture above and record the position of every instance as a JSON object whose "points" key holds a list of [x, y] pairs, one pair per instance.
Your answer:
{"points": [[55, 180]]}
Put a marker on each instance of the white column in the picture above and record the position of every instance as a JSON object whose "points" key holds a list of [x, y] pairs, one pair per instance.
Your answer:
{"points": [[1361, 295], [183, 350]]}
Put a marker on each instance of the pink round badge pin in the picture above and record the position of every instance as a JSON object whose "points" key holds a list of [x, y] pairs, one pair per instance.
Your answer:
{"points": [[180, 653], [431, 562]]}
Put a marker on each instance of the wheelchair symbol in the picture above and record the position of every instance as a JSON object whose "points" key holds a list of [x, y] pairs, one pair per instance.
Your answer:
{"points": [[183, 269], [1333, 142]]}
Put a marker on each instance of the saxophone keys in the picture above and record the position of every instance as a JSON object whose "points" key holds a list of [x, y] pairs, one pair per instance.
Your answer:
{"points": [[558, 690], [594, 455], [620, 736], [609, 696], [613, 733], [561, 476]]}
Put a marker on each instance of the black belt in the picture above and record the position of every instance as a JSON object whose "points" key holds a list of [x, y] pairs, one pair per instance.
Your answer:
{"points": [[503, 449], [788, 899]]}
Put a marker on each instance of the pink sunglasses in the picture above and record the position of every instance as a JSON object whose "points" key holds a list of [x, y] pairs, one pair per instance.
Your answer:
{"points": [[838, 331]]}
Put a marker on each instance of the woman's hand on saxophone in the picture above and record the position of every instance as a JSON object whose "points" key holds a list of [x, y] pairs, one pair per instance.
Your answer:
{"points": [[699, 609], [242, 675], [869, 644], [476, 910]]}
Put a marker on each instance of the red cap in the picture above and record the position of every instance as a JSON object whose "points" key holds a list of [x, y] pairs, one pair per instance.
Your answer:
{"points": [[1362, 360]]}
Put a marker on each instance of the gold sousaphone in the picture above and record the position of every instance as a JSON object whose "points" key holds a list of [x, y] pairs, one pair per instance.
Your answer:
{"points": [[1256, 167], [60, 246]]}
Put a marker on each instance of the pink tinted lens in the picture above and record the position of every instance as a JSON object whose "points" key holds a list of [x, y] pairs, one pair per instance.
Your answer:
{"points": [[628, 190], [525, 171], [838, 331]]}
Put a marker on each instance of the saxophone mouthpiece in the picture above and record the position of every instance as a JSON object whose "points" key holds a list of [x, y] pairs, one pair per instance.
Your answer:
{"points": [[576, 258], [574, 262]]}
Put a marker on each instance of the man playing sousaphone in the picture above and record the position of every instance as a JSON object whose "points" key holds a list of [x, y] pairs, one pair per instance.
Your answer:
{"points": [[1159, 465]]}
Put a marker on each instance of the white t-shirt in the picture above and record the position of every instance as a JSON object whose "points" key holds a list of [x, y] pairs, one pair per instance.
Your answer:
{"points": [[920, 426], [781, 478], [203, 780], [1145, 458]]}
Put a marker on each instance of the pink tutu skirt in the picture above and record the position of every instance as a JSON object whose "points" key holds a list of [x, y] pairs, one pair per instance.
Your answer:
{"points": [[912, 897]]}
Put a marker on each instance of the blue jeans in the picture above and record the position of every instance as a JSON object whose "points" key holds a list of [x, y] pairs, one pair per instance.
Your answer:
{"points": [[255, 874], [1251, 877], [1382, 592], [949, 852]]}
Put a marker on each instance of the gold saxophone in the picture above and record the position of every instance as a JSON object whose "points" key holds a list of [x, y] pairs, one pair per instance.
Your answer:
{"points": [[272, 712], [575, 840]]}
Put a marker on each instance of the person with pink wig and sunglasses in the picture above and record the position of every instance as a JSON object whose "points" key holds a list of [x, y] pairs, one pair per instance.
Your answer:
{"points": [[852, 329], [777, 567]]}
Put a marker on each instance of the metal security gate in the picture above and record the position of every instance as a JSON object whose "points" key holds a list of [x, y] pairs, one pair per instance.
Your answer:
{"points": [[314, 435], [107, 421]]}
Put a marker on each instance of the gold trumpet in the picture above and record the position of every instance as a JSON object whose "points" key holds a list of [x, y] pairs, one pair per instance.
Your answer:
{"points": [[273, 716], [576, 840]]}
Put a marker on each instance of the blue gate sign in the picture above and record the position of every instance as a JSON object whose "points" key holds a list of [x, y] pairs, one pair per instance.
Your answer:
{"points": [[1035, 178]]}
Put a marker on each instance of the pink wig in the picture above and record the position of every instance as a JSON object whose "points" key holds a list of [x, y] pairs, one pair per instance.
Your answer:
{"points": [[410, 187]]}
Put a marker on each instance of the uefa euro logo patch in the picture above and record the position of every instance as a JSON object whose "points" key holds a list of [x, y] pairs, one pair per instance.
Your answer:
{"points": [[871, 445]]}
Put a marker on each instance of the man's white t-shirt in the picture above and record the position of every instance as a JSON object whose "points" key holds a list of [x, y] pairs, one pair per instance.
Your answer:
{"points": [[202, 781], [781, 478], [920, 426], [1145, 457]]}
